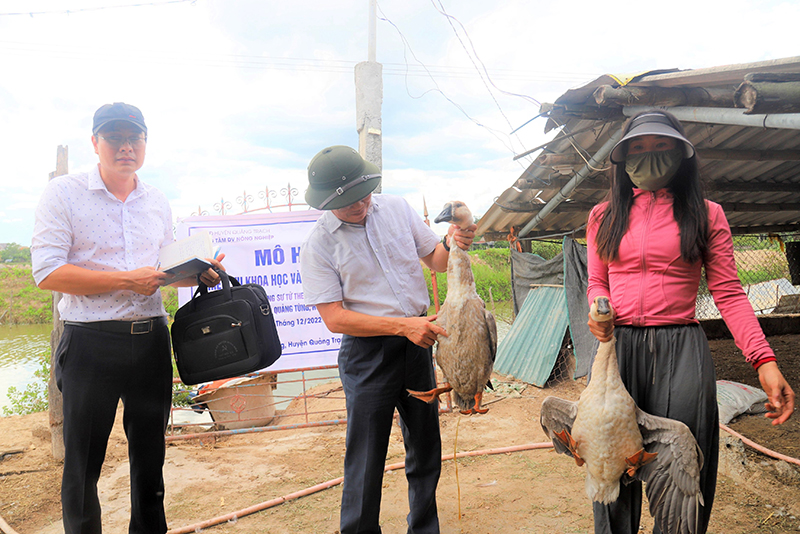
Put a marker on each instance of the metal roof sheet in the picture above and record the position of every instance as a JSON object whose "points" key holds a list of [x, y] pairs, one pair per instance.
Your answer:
{"points": [[752, 170], [530, 349]]}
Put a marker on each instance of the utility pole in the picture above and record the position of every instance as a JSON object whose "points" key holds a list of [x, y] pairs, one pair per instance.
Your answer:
{"points": [[369, 97], [54, 401]]}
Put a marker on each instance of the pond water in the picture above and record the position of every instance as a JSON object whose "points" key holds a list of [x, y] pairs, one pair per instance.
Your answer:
{"points": [[20, 349]]}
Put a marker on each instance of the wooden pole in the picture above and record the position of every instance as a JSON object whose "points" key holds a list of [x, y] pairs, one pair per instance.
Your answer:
{"points": [[607, 95], [434, 282], [766, 97], [55, 402]]}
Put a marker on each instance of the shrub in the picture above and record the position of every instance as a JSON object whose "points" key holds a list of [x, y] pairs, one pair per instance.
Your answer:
{"points": [[546, 249], [34, 398]]}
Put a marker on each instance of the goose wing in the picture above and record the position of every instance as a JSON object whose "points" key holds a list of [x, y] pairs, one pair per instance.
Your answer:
{"points": [[673, 478], [558, 415], [491, 327]]}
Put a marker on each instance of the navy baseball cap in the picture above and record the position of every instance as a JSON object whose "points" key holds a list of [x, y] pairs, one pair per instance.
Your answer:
{"points": [[118, 111]]}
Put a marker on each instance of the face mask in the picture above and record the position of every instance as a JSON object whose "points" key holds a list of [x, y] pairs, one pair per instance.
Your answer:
{"points": [[653, 170]]}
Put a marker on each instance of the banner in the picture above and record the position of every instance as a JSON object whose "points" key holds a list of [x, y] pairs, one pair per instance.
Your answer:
{"points": [[264, 249]]}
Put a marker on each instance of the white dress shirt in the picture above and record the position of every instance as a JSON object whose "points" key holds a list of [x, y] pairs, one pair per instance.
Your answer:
{"points": [[79, 222], [372, 269]]}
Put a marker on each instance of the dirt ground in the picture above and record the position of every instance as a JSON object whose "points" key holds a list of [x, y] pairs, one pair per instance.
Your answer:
{"points": [[512, 492]]}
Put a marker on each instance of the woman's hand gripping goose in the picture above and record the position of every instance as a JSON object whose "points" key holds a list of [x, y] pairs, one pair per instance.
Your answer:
{"points": [[466, 355], [618, 441]]}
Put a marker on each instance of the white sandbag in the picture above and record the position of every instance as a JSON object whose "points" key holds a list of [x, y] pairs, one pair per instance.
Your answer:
{"points": [[735, 399]]}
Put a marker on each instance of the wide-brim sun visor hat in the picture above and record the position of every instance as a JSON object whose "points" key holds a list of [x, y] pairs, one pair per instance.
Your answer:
{"points": [[118, 111], [650, 124], [338, 176]]}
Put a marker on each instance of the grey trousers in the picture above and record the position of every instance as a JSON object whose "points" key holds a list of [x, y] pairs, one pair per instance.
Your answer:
{"points": [[669, 372], [375, 373]]}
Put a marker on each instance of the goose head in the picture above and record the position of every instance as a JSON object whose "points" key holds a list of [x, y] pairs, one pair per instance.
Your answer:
{"points": [[455, 212], [600, 310]]}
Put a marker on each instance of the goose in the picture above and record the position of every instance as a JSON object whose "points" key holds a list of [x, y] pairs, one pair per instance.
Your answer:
{"points": [[619, 442], [466, 355]]}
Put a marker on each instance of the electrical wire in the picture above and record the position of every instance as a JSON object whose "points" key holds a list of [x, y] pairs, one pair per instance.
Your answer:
{"points": [[97, 8], [477, 58], [579, 149], [243, 61], [475, 52], [450, 19], [437, 88]]}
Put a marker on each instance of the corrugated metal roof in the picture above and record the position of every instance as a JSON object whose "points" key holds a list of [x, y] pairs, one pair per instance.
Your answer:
{"points": [[752, 170], [530, 349]]}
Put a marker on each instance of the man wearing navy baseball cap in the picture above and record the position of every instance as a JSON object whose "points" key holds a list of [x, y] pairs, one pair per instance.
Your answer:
{"points": [[96, 240]]}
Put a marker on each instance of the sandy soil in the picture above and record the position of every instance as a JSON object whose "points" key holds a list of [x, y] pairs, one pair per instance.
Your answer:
{"points": [[526, 491]]}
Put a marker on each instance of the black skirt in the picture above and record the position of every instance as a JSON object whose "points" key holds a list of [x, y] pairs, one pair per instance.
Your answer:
{"points": [[669, 372]]}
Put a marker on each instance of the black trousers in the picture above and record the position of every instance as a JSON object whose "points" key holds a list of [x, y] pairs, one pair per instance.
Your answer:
{"points": [[94, 371], [669, 372], [375, 373]]}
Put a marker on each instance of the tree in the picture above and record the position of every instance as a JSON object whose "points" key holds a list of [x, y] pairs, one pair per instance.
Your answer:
{"points": [[14, 253]]}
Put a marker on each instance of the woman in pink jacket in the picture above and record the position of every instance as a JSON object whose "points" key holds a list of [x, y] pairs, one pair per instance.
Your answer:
{"points": [[647, 243]]}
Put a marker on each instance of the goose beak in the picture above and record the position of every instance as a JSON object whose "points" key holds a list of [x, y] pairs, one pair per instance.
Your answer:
{"points": [[446, 215], [601, 309]]}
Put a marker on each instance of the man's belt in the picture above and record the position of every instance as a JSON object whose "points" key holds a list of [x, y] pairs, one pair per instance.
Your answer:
{"points": [[143, 326]]}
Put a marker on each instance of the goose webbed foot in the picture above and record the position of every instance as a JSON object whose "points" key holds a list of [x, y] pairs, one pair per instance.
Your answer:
{"points": [[569, 442], [432, 395], [638, 459], [477, 408]]}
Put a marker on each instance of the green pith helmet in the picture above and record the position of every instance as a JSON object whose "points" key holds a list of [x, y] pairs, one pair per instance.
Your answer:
{"points": [[338, 176]]}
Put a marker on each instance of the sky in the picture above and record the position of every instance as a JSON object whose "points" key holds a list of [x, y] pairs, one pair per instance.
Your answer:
{"points": [[239, 95]]}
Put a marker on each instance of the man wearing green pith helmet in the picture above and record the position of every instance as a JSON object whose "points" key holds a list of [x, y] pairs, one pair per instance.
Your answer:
{"points": [[360, 266]]}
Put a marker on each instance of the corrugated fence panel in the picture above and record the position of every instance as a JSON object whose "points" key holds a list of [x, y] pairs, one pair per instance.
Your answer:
{"points": [[530, 349]]}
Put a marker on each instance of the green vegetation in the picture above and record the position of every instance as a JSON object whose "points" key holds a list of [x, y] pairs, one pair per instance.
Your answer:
{"points": [[763, 273], [21, 302], [34, 398], [14, 253], [546, 249]]}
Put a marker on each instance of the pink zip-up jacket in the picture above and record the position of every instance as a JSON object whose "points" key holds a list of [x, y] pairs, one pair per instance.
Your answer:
{"points": [[650, 285]]}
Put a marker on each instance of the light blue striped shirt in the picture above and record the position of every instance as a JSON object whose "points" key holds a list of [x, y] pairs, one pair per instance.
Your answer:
{"points": [[372, 269], [79, 222]]}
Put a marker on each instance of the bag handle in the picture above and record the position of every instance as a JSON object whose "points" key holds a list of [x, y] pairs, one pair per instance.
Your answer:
{"points": [[227, 282]]}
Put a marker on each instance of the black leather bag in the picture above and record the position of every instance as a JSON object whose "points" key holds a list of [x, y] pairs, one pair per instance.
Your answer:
{"points": [[224, 333]]}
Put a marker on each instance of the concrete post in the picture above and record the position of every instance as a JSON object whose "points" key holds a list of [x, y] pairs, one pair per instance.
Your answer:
{"points": [[369, 97]]}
